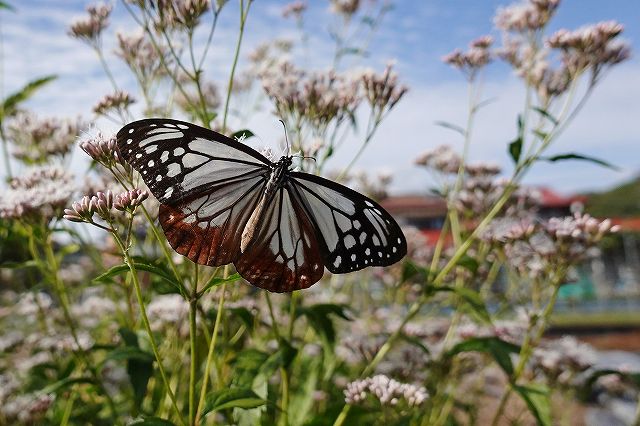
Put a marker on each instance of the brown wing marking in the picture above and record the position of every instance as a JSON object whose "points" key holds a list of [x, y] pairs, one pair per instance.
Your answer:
{"points": [[207, 229], [284, 254]]}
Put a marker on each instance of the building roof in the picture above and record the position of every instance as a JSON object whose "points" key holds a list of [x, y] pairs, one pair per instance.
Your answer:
{"points": [[415, 206]]}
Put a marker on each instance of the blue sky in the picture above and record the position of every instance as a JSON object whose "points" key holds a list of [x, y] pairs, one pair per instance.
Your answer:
{"points": [[416, 34]]}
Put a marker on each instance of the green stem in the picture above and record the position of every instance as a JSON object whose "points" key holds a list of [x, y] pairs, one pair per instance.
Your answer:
{"points": [[243, 19], [214, 337], [143, 312], [61, 293], [526, 351], [193, 308]]}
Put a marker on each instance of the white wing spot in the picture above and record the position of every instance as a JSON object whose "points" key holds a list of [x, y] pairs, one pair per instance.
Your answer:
{"points": [[182, 126], [399, 240], [151, 148], [129, 141], [337, 262], [168, 192], [366, 262], [368, 203], [353, 257], [394, 249], [174, 169], [151, 163], [376, 240], [367, 251], [158, 178], [130, 130], [363, 237], [357, 224], [349, 241], [178, 151], [379, 254], [165, 156], [377, 211], [138, 155]]}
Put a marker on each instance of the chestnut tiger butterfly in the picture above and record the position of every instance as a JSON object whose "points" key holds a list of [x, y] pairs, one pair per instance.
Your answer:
{"points": [[223, 202]]}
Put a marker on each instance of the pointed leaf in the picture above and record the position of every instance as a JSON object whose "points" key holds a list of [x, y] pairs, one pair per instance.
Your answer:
{"points": [[216, 281], [451, 126], [124, 268], [243, 134], [515, 150], [411, 270], [538, 402], [5, 5], [546, 115], [499, 350], [232, 398], [151, 421], [11, 103], [574, 156]]}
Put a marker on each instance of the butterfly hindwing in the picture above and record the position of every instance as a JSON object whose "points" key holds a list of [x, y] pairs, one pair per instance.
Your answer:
{"points": [[284, 254], [207, 228], [355, 231]]}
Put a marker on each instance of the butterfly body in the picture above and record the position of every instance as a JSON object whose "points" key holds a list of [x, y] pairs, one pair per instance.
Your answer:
{"points": [[222, 202], [279, 172]]}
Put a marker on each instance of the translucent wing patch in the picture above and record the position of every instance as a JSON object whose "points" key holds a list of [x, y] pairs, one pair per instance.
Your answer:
{"points": [[284, 254], [178, 160], [355, 232], [207, 228]]}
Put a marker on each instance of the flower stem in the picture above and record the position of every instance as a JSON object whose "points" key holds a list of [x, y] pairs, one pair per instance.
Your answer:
{"points": [[193, 307], [243, 19], [143, 312], [207, 368]]}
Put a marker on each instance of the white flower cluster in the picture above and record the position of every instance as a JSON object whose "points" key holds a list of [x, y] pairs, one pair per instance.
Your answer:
{"points": [[169, 309], [42, 192], [388, 391]]}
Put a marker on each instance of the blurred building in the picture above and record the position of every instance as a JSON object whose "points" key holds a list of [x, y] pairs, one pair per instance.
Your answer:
{"points": [[613, 274]]}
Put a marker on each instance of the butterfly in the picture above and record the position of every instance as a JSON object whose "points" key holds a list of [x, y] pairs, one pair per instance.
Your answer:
{"points": [[223, 202]]}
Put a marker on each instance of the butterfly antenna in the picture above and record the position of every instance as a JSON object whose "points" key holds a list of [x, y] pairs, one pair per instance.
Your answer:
{"points": [[286, 138]]}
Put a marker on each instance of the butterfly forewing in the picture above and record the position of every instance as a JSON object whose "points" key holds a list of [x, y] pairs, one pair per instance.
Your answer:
{"points": [[284, 254], [355, 232], [178, 160]]}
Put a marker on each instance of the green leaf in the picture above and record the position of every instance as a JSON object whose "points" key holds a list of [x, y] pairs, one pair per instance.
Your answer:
{"points": [[499, 350], [232, 398], [469, 263], [243, 134], [11, 103], [515, 150], [244, 315], [302, 400], [216, 281], [574, 156], [546, 115], [416, 342], [128, 353], [5, 5], [411, 270], [150, 421], [246, 366], [451, 126], [19, 265], [139, 365], [540, 134], [470, 298], [67, 383], [538, 401], [157, 271]]}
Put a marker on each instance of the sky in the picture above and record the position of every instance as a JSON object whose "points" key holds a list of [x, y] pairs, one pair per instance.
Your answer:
{"points": [[415, 34]]}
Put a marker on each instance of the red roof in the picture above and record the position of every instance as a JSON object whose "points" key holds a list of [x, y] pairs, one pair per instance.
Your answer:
{"points": [[415, 206], [550, 198]]}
